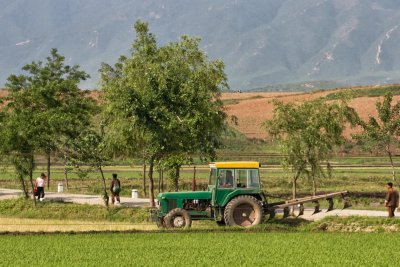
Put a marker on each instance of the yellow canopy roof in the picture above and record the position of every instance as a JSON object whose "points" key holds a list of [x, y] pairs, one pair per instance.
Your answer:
{"points": [[235, 165]]}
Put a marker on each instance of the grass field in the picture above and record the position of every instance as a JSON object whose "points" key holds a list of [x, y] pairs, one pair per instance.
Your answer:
{"points": [[21, 208], [201, 249]]}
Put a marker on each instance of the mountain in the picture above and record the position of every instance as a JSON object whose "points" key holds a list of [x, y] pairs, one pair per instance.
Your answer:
{"points": [[262, 42]]}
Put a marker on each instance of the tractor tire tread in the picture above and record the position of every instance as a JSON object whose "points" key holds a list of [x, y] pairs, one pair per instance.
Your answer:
{"points": [[168, 219], [243, 199]]}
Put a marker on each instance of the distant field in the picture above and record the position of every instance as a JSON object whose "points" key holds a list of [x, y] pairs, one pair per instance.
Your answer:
{"points": [[201, 249], [252, 109]]}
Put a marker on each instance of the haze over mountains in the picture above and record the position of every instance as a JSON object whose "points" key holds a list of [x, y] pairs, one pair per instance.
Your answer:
{"points": [[262, 42]]}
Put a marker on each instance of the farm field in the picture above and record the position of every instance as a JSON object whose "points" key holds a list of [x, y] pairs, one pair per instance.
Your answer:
{"points": [[45, 225], [252, 109], [201, 249], [355, 175]]}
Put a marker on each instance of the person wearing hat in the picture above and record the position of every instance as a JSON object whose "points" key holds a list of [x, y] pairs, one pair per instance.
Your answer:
{"points": [[391, 199], [115, 188], [40, 186]]}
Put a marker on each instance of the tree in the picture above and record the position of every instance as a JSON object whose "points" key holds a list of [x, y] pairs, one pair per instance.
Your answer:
{"points": [[168, 95], [50, 96], [307, 134], [382, 132], [89, 149], [17, 143]]}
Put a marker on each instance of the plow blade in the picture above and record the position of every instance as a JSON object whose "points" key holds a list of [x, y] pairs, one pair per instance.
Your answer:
{"points": [[301, 210], [288, 205], [316, 207]]}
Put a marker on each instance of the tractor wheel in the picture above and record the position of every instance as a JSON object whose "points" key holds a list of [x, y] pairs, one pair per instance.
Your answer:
{"points": [[178, 218], [245, 211]]}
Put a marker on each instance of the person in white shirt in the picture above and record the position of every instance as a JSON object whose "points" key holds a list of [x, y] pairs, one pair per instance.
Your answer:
{"points": [[40, 186]]}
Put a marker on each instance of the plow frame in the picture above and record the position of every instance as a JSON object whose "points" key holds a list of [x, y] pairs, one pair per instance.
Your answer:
{"points": [[285, 205]]}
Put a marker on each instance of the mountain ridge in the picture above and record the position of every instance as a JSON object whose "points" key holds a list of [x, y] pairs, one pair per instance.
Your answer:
{"points": [[262, 42]]}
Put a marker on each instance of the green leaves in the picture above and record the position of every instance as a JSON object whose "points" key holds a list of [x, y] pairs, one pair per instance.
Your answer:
{"points": [[307, 134], [169, 94], [381, 132], [44, 108]]}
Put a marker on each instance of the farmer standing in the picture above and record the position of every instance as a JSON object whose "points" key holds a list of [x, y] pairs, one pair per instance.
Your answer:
{"points": [[391, 200], [40, 186], [115, 188]]}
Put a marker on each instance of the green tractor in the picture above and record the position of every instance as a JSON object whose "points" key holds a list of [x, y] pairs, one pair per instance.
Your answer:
{"points": [[234, 197]]}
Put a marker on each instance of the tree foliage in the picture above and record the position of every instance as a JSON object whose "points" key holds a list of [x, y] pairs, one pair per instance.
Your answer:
{"points": [[307, 134], [44, 106], [165, 99], [381, 132]]}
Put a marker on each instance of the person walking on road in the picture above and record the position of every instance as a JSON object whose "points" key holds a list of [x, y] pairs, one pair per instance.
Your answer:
{"points": [[391, 200], [115, 188], [40, 186]]}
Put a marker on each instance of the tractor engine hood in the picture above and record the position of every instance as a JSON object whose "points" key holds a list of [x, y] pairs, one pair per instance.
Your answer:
{"points": [[185, 195]]}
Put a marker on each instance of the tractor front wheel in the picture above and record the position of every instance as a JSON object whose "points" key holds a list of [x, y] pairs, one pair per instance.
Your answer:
{"points": [[245, 211], [178, 218]]}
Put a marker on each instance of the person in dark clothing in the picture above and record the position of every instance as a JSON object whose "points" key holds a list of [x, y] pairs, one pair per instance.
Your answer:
{"points": [[115, 188], [391, 200]]}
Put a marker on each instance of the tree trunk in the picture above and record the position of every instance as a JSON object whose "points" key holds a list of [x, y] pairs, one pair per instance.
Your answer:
{"points": [[176, 177], [194, 179], [314, 182], [151, 184], [48, 168], [24, 189], [105, 195], [159, 181], [392, 164], [32, 186], [294, 191], [162, 180], [294, 188], [66, 177], [144, 179]]}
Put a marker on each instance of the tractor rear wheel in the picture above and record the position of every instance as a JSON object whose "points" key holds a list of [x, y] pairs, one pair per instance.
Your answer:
{"points": [[245, 211], [178, 218]]}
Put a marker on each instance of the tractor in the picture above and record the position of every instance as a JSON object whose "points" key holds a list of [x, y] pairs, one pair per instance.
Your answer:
{"points": [[234, 197]]}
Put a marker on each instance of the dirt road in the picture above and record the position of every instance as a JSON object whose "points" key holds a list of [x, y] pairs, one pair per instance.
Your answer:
{"points": [[76, 198], [143, 202]]}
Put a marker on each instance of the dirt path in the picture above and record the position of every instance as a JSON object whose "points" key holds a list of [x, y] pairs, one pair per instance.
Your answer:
{"points": [[342, 213], [76, 198], [143, 202]]}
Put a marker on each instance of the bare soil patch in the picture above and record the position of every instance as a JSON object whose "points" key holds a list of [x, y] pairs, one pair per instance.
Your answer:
{"points": [[255, 108]]}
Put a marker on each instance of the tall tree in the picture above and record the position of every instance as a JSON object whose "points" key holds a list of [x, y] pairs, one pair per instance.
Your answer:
{"points": [[307, 134], [168, 95], [89, 149], [17, 143], [49, 94], [382, 132]]}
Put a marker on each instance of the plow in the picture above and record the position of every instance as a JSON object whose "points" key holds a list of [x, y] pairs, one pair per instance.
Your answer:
{"points": [[234, 198], [299, 202]]}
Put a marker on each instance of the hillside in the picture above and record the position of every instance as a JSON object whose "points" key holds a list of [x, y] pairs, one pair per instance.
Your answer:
{"points": [[252, 109], [262, 42]]}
